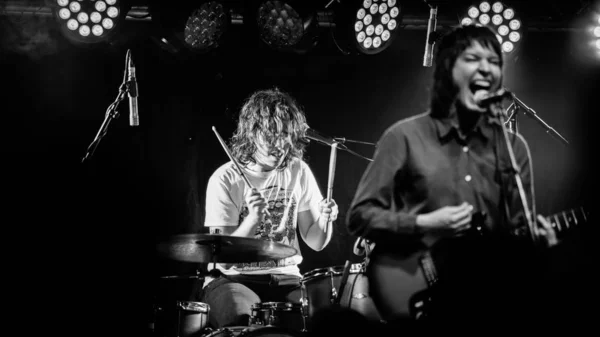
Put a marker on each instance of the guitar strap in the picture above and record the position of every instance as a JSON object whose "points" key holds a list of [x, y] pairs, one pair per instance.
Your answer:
{"points": [[426, 262]]}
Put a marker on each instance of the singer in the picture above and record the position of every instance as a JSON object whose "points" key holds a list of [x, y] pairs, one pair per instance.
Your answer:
{"points": [[440, 179], [269, 145]]}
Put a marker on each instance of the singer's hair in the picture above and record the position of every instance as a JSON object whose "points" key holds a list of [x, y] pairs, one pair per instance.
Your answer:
{"points": [[449, 49], [271, 113]]}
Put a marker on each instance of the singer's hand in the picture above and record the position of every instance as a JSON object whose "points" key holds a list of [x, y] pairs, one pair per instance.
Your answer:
{"points": [[546, 233]]}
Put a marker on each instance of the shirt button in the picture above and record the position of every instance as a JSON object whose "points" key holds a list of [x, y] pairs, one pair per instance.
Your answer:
{"points": [[465, 149], [468, 177]]}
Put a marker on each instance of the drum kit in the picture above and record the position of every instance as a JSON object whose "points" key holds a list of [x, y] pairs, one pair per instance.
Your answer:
{"points": [[345, 286]]}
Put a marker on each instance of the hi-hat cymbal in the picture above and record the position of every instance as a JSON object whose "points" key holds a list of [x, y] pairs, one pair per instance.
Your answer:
{"points": [[222, 248]]}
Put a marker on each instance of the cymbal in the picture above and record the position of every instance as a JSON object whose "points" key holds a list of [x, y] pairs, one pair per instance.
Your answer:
{"points": [[222, 248]]}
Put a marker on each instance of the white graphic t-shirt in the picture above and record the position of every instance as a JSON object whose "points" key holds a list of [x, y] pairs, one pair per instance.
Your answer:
{"points": [[288, 191]]}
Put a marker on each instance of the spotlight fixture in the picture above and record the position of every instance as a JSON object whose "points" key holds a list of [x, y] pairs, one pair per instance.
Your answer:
{"points": [[367, 26], [501, 18], [89, 21], [198, 26], [289, 25]]}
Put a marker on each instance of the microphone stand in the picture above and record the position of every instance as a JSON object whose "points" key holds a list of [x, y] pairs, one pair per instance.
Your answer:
{"points": [[497, 111], [531, 113], [111, 113], [512, 118]]}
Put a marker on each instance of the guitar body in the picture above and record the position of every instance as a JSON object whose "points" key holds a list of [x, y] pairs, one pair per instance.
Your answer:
{"points": [[402, 283], [401, 290]]}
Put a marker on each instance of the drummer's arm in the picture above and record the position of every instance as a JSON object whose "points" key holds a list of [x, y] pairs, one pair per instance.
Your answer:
{"points": [[311, 232]]}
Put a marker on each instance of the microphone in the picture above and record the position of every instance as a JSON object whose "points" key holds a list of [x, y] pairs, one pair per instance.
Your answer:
{"points": [[314, 135], [132, 92], [431, 26], [496, 97]]}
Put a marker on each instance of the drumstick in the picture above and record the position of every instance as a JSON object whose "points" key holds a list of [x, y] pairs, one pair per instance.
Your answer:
{"points": [[332, 159], [235, 162]]}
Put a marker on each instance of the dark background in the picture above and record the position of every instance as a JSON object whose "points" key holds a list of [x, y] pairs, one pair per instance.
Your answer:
{"points": [[80, 236]]}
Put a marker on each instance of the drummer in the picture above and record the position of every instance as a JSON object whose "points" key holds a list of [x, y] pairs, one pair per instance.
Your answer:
{"points": [[268, 144]]}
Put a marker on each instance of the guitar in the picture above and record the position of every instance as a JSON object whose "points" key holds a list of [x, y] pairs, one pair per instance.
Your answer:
{"points": [[401, 283]]}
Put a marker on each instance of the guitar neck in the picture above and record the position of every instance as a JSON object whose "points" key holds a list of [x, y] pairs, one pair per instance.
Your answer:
{"points": [[561, 222], [568, 219]]}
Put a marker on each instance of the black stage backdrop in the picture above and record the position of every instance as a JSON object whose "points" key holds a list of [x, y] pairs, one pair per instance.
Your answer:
{"points": [[81, 236]]}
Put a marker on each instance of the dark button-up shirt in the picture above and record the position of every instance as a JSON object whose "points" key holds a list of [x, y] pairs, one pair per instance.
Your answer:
{"points": [[424, 163]]}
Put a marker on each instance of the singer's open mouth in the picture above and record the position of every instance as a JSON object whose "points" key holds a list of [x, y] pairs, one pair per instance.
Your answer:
{"points": [[480, 86]]}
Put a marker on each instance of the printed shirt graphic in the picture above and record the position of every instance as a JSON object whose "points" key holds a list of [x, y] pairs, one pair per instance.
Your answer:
{"points": [[287, 192]]}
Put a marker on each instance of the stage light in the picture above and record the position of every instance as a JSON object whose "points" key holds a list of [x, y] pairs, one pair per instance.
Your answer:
{"points": [[367, 26], [199, 27], [89, 21], [501, 18], [286, 26]]}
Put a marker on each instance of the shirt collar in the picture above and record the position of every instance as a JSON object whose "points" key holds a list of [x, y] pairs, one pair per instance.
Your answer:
{"points": [[446, 125]]}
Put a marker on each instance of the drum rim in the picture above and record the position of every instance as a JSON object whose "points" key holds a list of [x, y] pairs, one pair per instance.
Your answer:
{"points": [[196, 307], [244, 330], [276, 305], [337, 270]]}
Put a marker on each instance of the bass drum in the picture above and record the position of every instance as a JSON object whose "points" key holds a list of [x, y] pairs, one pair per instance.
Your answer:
{"points": [[253, 331]]}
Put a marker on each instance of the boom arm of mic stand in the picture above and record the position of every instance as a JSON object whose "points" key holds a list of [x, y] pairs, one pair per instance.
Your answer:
{"points": [[531, 113], [354, 153]]}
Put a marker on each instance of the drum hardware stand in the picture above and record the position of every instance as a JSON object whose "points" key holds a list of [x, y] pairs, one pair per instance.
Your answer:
{"points": [[304, 303], [338, 297], [111, 111]]}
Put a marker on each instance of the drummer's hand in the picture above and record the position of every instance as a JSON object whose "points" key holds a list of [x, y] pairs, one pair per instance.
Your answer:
{"points": [[329, 212], [256, 203]]}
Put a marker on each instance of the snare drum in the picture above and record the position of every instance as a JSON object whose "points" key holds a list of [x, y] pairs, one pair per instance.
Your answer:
{"points": [[280, 314], [244, 331], [321, 286], [181, 320]]}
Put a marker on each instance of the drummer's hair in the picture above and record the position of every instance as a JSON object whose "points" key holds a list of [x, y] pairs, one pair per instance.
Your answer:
{"points": [[273, 114]]}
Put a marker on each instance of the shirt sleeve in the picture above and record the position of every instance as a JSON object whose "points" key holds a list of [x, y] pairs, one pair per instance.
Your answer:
{"points": [[310, 194], [374, 211], [223, 201]]}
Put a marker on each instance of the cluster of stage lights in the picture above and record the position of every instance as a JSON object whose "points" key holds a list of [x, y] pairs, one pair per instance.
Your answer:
{"points": [[375, 23], [597, 36], [91, 20], [499, 17]]}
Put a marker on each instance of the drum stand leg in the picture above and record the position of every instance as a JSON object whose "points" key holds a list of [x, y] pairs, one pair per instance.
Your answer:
{"points": [[334, 294], [179, 320], [304, 302]]}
